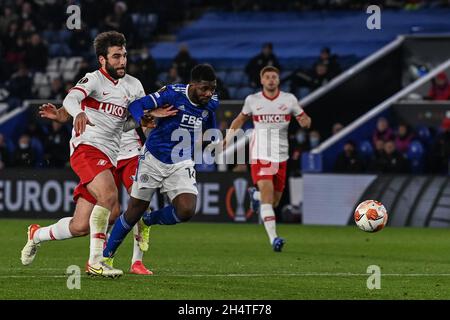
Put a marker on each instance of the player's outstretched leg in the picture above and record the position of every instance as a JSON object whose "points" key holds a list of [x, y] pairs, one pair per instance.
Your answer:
{"points": [[141, 234], [182, 209], [58, 231], [124, 224], [28, 252]]}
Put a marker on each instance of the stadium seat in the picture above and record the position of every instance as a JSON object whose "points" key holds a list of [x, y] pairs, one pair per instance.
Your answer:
{"points": [[232, 91], [415, 154], [221, 75], [235, 78], [243, 92]]}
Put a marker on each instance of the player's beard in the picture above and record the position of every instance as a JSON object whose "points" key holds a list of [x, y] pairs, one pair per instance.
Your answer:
{"points": [[113, 72]]}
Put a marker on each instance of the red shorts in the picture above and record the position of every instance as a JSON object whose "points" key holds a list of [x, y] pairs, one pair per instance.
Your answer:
{"points": [[125, 171], [273, 171], [87, 162]]}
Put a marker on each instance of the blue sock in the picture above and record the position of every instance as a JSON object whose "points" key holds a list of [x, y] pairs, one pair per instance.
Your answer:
{"points": [[166, 215], [118, 233]]}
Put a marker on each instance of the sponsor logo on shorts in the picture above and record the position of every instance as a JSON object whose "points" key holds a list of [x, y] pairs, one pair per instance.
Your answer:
{"points": [[102, 162], [144, 178]]}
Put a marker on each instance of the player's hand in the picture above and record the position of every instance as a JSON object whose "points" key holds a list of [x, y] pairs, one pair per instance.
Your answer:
{"points": [[162, 112], [80, 123], [49, 111], [305, 121]]}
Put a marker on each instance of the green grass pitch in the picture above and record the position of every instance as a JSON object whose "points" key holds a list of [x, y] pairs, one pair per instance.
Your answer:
{"points": [[233, 261]]}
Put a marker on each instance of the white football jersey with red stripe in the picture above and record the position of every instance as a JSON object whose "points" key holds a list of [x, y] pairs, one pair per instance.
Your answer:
{"points": [[105, 104], [130, 145], [271, 117]]}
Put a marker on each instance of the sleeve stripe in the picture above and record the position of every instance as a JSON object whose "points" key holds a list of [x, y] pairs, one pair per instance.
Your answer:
{"points": [[81, 89], [156, 104], [300, 114]]}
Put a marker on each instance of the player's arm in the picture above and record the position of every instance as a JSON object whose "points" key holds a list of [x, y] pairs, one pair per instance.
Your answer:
{"points": [[72, 102], [304, 120], [49, 111], [151, 102], [300, 115], [236, 124]]}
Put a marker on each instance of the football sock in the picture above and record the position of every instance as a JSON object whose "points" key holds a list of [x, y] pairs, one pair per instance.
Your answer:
{"points": [[119, 231], [166, 215], [257, 196], [98, 223], [137, 252], [268, 217], [57, 231]]}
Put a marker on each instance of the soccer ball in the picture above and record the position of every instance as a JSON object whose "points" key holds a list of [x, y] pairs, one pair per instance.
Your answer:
{"points": [[371, 216]]}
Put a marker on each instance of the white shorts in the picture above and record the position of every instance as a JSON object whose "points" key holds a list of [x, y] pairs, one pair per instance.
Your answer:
{"points": [[172, 179]]}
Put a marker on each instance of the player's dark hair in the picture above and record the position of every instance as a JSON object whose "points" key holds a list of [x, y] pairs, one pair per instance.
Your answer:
{"points": [[108, 39], [203, 72], [269, 69]]}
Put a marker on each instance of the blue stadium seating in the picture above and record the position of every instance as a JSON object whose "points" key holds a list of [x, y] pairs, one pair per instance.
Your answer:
{"points": [[366, 150], [425, 135], [416, 156]]}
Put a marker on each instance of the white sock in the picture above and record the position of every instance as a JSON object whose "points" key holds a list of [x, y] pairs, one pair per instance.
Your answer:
{"points": [[57, 231], [268, 217], [257, 196], [98, 223], [137, 252]]}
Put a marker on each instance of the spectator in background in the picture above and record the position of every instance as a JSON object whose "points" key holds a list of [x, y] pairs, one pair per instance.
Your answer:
{"points": [[80, 41], [440, 153], [382, 132], [36, 56], [84, 68], [6, 19], [15, 54], [122, 22], [57, 90], [184, 63], [263, 59], [319, 77], [24, 156], [20, 84], [311, 79], [403, 138], [440, 88], [298, 144], [390, 161], [147, 72], [330, 61], [336, 128], [172, 77], [56, 145], [222, 90], [348, 160], [314, 139], [4, 154]]}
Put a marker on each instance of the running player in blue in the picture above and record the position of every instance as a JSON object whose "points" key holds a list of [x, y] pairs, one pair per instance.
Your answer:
{"points": [[166, 161]]}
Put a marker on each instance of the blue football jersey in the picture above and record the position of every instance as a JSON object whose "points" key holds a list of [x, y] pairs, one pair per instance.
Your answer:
{"points": [[173, 138]]}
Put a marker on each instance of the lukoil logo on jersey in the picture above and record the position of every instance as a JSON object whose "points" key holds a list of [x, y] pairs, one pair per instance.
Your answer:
{"points": [[272, 118], [191, 121], [112, 109]]}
